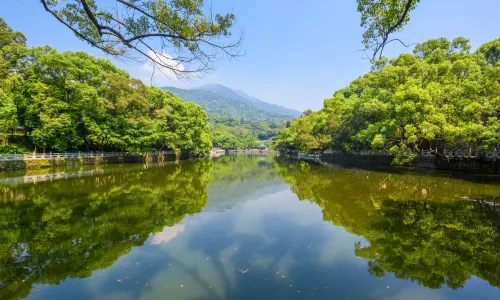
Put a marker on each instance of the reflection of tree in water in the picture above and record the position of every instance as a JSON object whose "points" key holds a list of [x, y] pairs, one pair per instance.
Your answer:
{"points": [[434, 244], [419, 228], [70, 228]]}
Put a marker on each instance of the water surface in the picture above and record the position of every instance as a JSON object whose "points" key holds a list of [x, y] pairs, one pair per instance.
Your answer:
{"points": [[247, 227]]}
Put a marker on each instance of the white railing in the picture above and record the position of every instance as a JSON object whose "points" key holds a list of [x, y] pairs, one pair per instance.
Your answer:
{"points": [[34, 156]]}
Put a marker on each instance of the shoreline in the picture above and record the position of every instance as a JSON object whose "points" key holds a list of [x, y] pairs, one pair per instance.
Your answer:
{"points": [[462, 164]]}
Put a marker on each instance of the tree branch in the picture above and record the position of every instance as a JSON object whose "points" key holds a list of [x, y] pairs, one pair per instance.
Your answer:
{"points": [[130, 24], [76, 32], [385, 36], [91, 16]]}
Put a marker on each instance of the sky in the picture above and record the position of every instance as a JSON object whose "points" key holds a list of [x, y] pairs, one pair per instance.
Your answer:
{"points": [[297, 53]]}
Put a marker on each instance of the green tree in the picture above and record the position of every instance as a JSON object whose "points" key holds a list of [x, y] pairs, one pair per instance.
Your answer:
{"points": [[382, 18], [8, 117], [72, 101], [491, 51], [441, 93], [12, 48]]}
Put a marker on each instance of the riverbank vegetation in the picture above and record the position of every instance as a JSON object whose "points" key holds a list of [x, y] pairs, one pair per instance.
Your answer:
{"points": [[233, 134], [74, 101], [442, 92]]}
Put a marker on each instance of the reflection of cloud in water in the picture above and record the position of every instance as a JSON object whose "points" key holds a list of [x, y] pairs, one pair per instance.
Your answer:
{"points": [[167, 234], [408, 294]]}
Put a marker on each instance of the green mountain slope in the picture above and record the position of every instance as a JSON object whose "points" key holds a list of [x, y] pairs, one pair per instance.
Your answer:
{"points": [[255, 102], [236, 121], [224, 103]]}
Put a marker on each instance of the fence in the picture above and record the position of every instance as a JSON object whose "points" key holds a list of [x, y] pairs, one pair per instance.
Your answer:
{"points": [[34, 156]]}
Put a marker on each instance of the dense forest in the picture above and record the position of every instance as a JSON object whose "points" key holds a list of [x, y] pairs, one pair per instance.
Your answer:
{"points": [[52, 101], [442, 92]]}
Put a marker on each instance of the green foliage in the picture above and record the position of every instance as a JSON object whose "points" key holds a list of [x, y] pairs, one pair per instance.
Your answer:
{"points": [[71, 100], [15, 148], [236, 122], [242, 136], [226, 107], [194, 33], [307, 133], [491, 51], [380, 19], [441, 93], [8, 117], [12, 48]]}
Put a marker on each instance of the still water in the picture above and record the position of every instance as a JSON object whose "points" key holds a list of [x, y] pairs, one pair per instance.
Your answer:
{"points": [[248, 227]]}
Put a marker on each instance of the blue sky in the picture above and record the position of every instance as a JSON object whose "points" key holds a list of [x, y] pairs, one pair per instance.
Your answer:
{"points": [[297, 52]]}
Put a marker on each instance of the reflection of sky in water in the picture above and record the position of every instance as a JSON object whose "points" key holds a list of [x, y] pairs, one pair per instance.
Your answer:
{"points": [[267, 246]]}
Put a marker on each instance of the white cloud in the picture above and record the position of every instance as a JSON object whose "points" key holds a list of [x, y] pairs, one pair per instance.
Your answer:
{"points": [[160, 75]]}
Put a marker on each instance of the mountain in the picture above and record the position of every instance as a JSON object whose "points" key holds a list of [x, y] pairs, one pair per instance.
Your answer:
{"points": [[256, 102], [219, 89], [266, 106], [221, 102]]}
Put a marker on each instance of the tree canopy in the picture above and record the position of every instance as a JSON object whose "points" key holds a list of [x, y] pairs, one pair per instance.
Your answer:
{"points": [[381, 18], [180, 37], [72, 101], [441, 92]]}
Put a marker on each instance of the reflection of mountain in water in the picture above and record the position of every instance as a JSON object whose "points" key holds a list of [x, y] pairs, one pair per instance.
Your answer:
{"points": [[418, 227]]}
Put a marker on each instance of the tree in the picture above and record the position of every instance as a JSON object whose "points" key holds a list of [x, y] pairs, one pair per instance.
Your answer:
{"points": [[491, 51], [72, 100], [12, 48], [440, 94], [8, 116], [381, 18], [176, 36]]}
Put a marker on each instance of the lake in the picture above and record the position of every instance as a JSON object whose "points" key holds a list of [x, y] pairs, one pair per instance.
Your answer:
{"points": [[248, 227]]}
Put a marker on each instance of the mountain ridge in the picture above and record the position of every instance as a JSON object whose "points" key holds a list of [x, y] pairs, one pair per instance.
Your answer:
{"points": [[221, 102], [258, 103]]}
